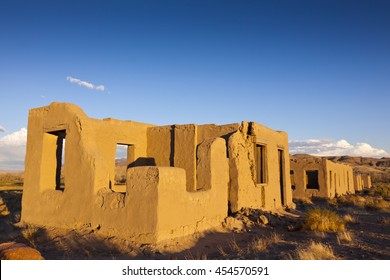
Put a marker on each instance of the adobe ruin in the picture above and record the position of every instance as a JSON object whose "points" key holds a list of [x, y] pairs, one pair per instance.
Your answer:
{"points": [[180, 179], [319, 177], [362, 181]]}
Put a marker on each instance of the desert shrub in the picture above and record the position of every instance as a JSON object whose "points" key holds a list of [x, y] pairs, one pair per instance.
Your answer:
{"points": [[352, 200], [383, 177], [377, 204], [323, 220], [382, 190], [315, 251]]}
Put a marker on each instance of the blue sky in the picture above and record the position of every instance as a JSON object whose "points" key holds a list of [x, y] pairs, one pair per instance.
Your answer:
{"points": [[319, 70]]}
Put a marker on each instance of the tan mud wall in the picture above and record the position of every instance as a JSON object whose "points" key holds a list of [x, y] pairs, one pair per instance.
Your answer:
{"points": [[300, 166], [211, 131], [158, 206], [333, 178], [358, 182], [366, 179], [88, 168], [160, 145], [339, 178], [244, 192], [157, 202]]}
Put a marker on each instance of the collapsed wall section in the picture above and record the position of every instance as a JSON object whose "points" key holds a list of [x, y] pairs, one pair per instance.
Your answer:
{"points": [[259, 166]]}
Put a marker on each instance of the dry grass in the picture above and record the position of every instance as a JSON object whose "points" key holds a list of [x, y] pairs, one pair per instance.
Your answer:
{"points": [[260, 244], [198, 256], [383, 220], [14, 179], [235, 247], [377, 204], [351, 200], [3, 208], [222, 251], [349, 219], [30, 234], [382, 190], [323, 220], [344, 236], [316, 251]]}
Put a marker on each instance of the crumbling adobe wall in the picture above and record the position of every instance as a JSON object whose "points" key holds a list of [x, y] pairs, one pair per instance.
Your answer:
{"points": [[87, 197], [244, 191], [339, 178], [357, 178], [88, 168], [188, 192], [176, 145], [333, 178], [158, 206], [299, 167], [366, 179]]}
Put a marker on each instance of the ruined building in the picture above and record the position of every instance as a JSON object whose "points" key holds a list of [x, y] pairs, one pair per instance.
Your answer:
{"points": [[180, 179], [319, 177], [362, 181]]}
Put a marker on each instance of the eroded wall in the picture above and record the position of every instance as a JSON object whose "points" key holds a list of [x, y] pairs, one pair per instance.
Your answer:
{"points": [[299, 168], [366, 181], [89, 162], [333, 179], [88, 195], [245, 190], [180, 178]]}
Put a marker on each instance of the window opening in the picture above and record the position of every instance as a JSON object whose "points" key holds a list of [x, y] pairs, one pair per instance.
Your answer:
{"points": [[312, 179], [260, 158]]}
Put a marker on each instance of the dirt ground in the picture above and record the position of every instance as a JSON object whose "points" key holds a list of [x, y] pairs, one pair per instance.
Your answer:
{"points": [[249, 234]]}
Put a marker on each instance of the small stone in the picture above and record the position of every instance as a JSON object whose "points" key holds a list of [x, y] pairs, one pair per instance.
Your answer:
{"points": [[262, 220], [18, 251], [232, 223]]}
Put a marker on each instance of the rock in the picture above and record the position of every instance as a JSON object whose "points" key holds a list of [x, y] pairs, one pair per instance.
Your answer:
{"points": [[247, 222], [18, 251], [262, 220], [232, 223]]}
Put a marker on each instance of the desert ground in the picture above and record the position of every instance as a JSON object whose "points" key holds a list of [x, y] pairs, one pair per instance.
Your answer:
{"points": [[349, 227]]}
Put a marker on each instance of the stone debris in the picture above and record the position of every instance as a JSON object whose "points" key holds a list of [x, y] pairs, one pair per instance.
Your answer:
{"points": [[233, 224], [18, 251]]}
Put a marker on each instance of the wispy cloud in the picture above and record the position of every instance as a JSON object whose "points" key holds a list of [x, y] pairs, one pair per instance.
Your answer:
{"points": [[341, 147], [2, 129], [13, 150], [84, 83]]}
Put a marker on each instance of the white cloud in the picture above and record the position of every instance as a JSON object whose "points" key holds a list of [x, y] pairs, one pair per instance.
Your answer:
{"points": [[101, 88], [2, 129], [84, 83], [335, 148], [13, 150]]}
